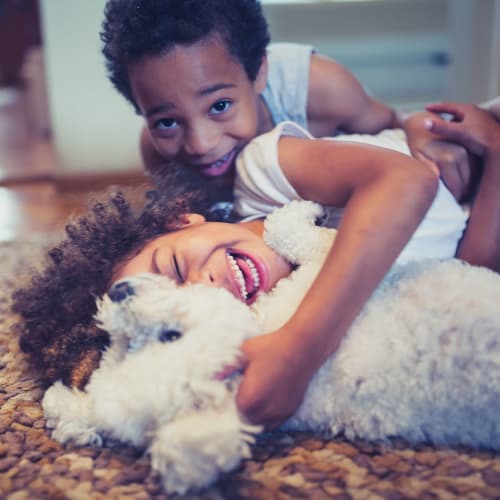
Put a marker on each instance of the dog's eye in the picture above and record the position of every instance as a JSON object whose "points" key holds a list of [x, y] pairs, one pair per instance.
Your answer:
{"points": [[169, 335]]}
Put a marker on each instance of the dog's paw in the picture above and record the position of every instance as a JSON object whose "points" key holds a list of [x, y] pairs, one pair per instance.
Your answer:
{"points": [[193, 451], [67, 413], [75, 432]]}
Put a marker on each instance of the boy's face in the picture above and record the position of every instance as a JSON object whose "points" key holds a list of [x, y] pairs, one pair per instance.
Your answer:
{"points": [[230, 256], [199, 104]]}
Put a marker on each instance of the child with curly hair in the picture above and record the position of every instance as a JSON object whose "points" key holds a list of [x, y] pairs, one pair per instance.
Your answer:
{"points": [[56, 307]]}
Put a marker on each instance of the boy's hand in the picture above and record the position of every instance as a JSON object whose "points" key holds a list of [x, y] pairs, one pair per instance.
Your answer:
{"points": [[274, 381], [472, 127]]}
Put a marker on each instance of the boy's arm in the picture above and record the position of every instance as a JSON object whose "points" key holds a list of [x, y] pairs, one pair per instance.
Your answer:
{"points": [[338, 101], [386, 195], [481, 242], [478, 130]]}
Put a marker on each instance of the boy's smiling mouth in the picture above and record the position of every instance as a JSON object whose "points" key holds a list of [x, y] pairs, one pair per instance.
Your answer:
{"points": [[219, 167], [246, 275]]}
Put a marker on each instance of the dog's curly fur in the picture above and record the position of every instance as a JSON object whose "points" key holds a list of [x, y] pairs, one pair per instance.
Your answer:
{"points": [[56, 308]]}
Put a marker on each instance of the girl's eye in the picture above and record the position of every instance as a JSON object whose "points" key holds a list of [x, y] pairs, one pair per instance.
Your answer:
{"points": [[165, 124], [177, 270], [221, 107]]}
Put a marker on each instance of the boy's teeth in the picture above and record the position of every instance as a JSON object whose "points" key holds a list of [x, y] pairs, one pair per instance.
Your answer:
{"points": [[239, 276], [219, 162]]}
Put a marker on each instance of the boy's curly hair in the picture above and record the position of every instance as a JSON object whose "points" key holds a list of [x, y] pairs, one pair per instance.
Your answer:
{"points": [[57, 327], [133, 29]]}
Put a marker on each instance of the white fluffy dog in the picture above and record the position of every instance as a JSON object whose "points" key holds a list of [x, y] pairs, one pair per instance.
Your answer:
{"points": [[422, 361]]}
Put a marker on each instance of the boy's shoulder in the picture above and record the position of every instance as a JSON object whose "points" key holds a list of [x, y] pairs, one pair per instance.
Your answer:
{"points": [[277, 50], [287, 88]]}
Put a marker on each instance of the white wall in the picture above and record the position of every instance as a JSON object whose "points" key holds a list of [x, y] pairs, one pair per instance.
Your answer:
{"points": [[94, 128], [475, 47], [397, 48]]}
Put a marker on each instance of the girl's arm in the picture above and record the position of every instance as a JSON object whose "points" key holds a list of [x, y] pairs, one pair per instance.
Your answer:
{"points": [[385, 195]]}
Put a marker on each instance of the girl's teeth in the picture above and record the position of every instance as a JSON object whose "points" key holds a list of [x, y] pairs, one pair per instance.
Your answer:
{"points": [[239, 276]]}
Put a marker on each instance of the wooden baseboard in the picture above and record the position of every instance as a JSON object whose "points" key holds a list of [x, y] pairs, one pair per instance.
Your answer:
{"points": [[96, 182], [80, 182]]}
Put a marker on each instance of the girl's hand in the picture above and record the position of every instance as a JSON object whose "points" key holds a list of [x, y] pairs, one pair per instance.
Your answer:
{"points": [[274, 382], [452, 161], [472, 127]]}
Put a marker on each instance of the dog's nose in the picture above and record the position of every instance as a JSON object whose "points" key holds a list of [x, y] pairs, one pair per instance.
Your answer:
{"points": [[120, 291]]}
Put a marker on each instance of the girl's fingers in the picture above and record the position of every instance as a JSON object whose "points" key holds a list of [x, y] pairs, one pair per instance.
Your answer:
{"points": [[428, 162]]}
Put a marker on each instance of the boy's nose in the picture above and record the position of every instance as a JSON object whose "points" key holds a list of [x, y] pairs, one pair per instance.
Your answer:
{"points": [[201, 140]]}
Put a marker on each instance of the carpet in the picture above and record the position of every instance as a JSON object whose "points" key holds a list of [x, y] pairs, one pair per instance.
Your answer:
{"points": [[283, 466]]}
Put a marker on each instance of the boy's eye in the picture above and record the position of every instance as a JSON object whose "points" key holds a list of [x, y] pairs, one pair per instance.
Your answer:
{"points": [[165, 124], [221, 106]]}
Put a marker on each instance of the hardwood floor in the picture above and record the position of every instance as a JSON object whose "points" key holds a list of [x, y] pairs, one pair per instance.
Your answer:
{"points": [[32, 199]]}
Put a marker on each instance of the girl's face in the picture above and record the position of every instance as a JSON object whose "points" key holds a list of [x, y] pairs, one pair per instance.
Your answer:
{"points": [[199, 104], [230, 256]]}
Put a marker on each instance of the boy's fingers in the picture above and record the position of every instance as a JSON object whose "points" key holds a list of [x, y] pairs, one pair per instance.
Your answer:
{"points": [[239, 365], [454, 109]]}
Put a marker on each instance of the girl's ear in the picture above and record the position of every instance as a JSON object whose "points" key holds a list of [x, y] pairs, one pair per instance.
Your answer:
{"points": [[261, 78], [191, 219]]}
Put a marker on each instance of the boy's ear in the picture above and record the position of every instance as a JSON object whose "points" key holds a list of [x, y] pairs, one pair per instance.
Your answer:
{"points": [[261, 79], [191, 219]]}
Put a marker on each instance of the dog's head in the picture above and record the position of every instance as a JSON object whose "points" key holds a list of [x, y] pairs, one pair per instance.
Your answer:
{"points": [[151, 309]]}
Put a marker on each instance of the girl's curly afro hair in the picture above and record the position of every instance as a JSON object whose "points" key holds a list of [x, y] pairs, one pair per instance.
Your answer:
{"points": [[57, 328]]}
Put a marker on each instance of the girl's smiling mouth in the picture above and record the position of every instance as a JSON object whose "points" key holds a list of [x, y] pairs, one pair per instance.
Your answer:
{"points": [[219, 167], [248, 276]]}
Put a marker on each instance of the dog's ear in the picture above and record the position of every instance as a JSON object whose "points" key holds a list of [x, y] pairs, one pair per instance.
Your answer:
{"points": [[190, 219]]}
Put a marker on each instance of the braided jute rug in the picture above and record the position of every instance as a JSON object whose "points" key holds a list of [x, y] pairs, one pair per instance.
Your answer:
{"points": [[33, 466]]}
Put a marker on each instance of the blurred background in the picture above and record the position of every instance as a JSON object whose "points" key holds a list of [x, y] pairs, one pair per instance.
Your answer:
{"points": [[64, 130]]}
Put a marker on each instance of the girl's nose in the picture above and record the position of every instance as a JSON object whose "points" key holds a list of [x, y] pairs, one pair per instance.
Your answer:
{"points": [[204, 276], [201, 139]]}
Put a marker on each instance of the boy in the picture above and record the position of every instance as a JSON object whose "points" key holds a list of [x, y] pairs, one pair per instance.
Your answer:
{"points": [[237, 87]]}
